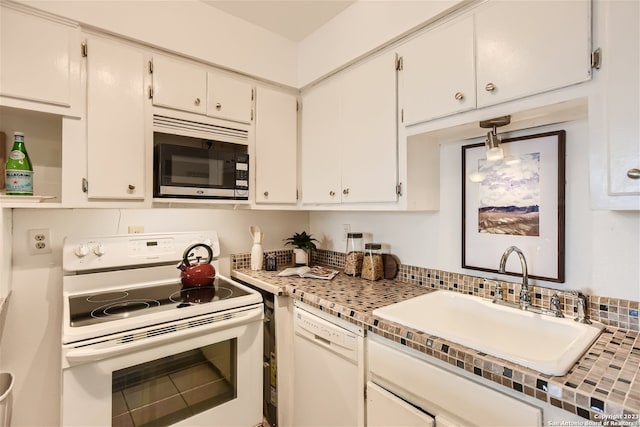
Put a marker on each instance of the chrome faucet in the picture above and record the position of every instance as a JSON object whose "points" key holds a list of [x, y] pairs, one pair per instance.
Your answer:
{"points": [[583, 307], [555, 306], [525, 294]]}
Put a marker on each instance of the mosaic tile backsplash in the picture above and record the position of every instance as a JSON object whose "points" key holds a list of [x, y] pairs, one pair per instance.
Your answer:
{"points": [[609, 311]]}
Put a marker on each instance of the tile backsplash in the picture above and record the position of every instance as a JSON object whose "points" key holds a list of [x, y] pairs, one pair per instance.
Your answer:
{"points": [[609, 311]]}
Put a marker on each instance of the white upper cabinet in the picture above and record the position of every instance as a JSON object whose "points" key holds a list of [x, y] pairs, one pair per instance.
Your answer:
{"points": [[623, 92], [349, 142], [115, 120], [528, 47], [276, 143], [369, 134], [438, 73], [179, 85], [229, 98], [39, 60], [322, 144], [502, 51]]}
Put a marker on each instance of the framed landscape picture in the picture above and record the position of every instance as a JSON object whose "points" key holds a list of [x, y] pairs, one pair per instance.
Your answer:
{"points": [[515, 201]]}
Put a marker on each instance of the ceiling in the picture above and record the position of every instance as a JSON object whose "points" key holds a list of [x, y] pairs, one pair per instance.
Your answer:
{"points": [[293, 19]]}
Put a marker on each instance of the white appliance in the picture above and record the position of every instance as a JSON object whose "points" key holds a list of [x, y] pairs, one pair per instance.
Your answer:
{"points": [[329, 370], [138, 348]]}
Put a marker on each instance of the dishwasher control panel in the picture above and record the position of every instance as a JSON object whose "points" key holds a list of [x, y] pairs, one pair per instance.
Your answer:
{"points": [[314, 328]]}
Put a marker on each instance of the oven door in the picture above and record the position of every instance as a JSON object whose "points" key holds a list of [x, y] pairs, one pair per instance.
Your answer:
{"points": [[194, 372]]}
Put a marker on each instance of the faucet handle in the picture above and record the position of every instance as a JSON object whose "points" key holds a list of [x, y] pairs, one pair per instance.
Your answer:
{"points": [[497, 294], [582, 307], [555, 305]]}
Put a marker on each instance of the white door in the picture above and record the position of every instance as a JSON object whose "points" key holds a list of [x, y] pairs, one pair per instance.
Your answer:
{"points": [[179, 85], [276, 147], [369, 132], [115, 120], [384, 409], [622, 68], [229, 98], [527, 47], [35, 57], [321, 144], [438, 73]]}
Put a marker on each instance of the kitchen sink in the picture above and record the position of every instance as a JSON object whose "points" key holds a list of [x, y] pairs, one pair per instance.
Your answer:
{"points": [[542, 342]]}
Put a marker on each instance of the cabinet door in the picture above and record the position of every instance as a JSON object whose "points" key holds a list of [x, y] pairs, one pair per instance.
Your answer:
{"points": [[622, 67], [369, 132], [438, 73], [276, 142], [179, 85], [229, 98], [527, 47], [115, 120], [35, 57], [321, 144], [385, 409]]}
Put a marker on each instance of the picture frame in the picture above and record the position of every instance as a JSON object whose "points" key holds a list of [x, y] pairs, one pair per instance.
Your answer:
{"points": [[516, 201]]}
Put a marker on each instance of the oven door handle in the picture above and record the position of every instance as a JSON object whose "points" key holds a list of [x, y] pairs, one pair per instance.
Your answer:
{"points": [[114, 347]]}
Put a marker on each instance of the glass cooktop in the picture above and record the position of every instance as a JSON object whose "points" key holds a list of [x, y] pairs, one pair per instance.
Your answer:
{"points": [[126, 303]]}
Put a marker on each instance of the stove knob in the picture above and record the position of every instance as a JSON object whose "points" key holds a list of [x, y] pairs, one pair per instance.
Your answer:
{"points": [[82, 251], [99, 249]]}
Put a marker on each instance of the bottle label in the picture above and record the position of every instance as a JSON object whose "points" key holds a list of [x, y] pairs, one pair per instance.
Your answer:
{"points": [[19, 182], [16, 155]]}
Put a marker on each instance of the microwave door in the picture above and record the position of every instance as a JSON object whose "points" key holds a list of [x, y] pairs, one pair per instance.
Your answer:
{"points": [[189, 171], [196, 172]]}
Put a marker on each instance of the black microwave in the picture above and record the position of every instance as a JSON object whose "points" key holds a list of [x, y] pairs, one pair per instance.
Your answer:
{"points": [[213, 170]]}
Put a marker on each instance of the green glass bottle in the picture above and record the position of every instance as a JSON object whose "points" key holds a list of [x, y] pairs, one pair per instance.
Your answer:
{"points": [[19, 172]]}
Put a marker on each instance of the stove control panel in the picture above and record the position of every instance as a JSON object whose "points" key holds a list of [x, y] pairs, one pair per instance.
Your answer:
{"points": [[131, 250]]}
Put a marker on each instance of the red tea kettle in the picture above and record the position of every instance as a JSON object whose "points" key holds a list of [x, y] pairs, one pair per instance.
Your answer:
{"points": [[199, 274]]}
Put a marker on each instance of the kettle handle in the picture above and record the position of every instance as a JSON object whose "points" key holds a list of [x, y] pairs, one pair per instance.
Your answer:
{"points": [[185, 256]]}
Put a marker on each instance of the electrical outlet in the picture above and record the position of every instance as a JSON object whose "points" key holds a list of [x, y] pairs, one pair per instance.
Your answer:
{"points": [[346, 229], [136, 229], [39, 241]]}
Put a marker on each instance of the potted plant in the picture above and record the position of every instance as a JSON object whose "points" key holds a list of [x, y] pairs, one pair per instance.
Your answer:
{"points": [[302, 243]]}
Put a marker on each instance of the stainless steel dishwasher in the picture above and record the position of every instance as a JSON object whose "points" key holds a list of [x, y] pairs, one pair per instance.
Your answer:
{"points": [[329, 374]]}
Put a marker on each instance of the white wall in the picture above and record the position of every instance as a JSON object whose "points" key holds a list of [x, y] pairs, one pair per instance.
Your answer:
{"points": [[191, 28], [206, 33], [359, 29], [30, 342], [602, 249]]}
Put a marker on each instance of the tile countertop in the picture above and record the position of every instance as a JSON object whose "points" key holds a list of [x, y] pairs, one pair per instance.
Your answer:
{"points": [[603, 385]]}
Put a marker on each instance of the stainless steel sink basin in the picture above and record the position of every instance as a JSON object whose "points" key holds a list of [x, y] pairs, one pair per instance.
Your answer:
{"points": [[547, 344]]}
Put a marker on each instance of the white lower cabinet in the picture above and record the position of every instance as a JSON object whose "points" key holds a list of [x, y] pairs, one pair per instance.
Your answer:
{"points": [[115, 121], [450, 398], [385, 409]]}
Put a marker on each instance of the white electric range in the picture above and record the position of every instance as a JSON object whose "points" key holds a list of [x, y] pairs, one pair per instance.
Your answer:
{"points": [[139, 348]]}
